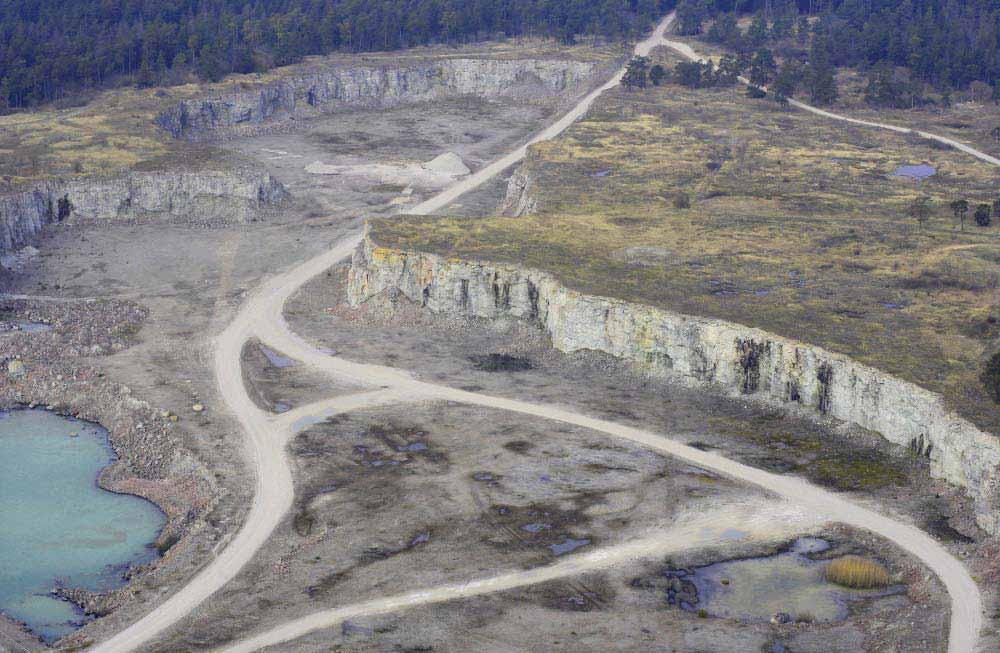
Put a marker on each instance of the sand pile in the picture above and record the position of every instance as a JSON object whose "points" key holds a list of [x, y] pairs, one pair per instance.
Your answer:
{"points": [[448, 164]]}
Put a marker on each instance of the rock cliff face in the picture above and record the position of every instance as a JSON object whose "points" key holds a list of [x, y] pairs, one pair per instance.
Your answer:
{"points": [[697, 351], [198, 196], [374, 87], [520, 198]]}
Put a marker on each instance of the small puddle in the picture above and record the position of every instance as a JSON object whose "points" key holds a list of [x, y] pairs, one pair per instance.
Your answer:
{"points": [[276, 359], [921, 171], [567, 546], [24, 327], [754, 590]]}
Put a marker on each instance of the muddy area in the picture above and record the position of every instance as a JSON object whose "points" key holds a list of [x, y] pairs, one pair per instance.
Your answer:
{"points": [[421, 495], [625, 609], [782, 587], [475, 356]]}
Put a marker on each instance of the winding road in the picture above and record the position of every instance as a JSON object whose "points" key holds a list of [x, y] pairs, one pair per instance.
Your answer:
{"points": [[266, 436]]}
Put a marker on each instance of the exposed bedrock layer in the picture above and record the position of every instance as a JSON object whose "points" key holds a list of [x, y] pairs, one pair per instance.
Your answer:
{"points": [[203, 196], [520, 198], [335, 89], [696, 351]]}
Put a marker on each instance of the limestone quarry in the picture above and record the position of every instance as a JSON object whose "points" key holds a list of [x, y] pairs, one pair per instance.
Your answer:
{"points": [[360, 444]]}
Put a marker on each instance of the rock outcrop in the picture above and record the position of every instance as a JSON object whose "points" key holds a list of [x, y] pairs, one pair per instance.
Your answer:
{"points": [[696, 351], [520, 198], [197, 196], [341, 88]]}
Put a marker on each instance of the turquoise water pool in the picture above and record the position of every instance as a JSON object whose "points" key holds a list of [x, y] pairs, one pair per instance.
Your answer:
{"points": [[56, 524]]}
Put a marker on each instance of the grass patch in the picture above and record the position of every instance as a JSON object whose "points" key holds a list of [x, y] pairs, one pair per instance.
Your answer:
{"points": [[854, 471], [501, 363], [800, 230], [857, 573]]}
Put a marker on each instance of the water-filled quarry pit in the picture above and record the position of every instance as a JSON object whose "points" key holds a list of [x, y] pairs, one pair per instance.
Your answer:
{"points": [[59, 528]]}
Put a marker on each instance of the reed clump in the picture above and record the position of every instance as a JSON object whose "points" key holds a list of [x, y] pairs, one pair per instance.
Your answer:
{"points": [[857, 572]]}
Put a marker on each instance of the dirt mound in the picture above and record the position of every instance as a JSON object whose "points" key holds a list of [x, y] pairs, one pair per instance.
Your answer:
{"points": [[448, 164]]}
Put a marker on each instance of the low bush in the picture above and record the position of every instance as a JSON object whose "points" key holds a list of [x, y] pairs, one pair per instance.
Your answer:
{"points": [[501, 363], [857, 573], [991, 377]]}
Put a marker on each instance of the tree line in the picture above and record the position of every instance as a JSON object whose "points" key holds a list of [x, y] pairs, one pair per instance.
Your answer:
{"points": [[54, 49], [901, 45]]}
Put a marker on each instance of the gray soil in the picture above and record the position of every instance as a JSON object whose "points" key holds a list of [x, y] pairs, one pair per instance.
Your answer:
{"points": [[278, 384], [475, 130], [403, 498], [613, 611]]}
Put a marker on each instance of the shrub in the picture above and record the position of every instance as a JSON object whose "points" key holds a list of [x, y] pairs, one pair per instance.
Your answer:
{"points": [[983, 215], [991, 377], [857, 573], [682, 200], [501, 363], [657, 74]]}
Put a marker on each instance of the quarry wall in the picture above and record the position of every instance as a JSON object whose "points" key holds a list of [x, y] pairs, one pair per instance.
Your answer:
{"points": [[336, 89], [694, 351], [197, 196]]}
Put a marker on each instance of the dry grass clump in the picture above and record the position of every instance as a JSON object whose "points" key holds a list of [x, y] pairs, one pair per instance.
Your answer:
{"points": [[857, 573]]}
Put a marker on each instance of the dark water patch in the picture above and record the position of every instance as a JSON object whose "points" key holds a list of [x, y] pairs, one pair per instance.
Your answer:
{"points": [[519, 446], [277, 360], [501, 363], [940, 527], [568, 546], [920, 171], [24, 326]]}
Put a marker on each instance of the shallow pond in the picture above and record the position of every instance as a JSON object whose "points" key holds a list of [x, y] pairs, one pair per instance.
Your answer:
{"points": [[921, 171], [58, 526], [276, 359], [25, 327], [756, 589]]}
